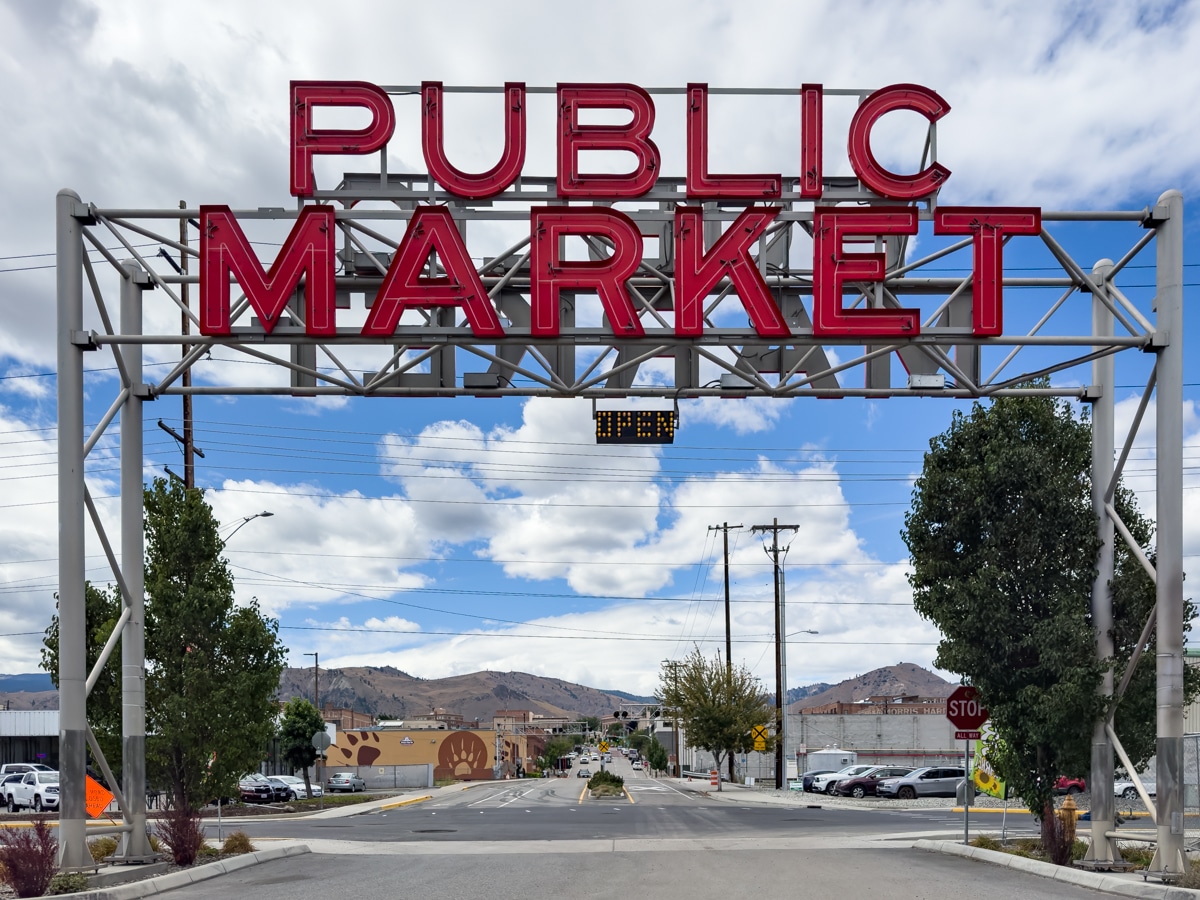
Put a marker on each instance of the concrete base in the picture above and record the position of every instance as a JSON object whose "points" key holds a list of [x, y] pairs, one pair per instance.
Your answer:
{"points": [[108, 875]]}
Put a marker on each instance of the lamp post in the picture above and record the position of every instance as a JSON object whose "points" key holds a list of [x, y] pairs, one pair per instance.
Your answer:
{"points": [[242, 523], [783, 654], [317, 702]]}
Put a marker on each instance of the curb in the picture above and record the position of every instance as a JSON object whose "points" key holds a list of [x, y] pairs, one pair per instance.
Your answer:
{"points": [[1111, 884], [151, 886], [400, 803]]}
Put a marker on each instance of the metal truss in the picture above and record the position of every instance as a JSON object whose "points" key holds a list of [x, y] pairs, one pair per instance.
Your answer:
{"points": [[435, 353]]}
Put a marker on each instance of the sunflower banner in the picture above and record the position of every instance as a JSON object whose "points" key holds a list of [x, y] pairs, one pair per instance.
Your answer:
{"points": [[984, 777]]}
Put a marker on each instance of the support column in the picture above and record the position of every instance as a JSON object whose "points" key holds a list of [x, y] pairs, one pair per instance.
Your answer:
{"points": [[135, 845], [1168, 220], [72, 619], [1102, 849]]}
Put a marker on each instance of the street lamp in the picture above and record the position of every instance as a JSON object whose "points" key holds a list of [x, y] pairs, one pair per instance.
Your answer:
{"points": [[242, 523], [783, 732]]}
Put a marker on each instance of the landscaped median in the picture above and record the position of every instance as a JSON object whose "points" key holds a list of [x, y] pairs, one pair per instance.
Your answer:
{"points": [[1129, 885]]}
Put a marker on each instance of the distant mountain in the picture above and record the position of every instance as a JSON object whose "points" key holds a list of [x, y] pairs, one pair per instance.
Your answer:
{"points": [[34, 690], [796, 694], [903, 678], [391, 692], [33, 682]]}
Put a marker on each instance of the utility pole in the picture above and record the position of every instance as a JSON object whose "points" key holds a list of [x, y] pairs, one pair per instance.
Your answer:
{"points": [[673, 665], [780, 713], [724, 528], [317, 700]]}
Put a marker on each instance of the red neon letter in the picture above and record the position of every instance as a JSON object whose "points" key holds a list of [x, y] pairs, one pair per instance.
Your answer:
{"points": [[696, 272], [550, 274], [431, 230], [699, 182], [307, 141], [811, 130], [633, 137], [832, 268], [308, 251], [987, 227], [912, 97], [499, 176]]}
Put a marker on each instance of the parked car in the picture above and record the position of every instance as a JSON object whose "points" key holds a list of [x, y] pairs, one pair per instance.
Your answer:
{"points": [[36, 790], [864, 785], [1126, 789], [824, 784], [295, 786], [805, 782], [345, 781], [928, 781], [256, 789], [637, 763], [22, 768], [583, 773], [1066, 785], [7, 781]]}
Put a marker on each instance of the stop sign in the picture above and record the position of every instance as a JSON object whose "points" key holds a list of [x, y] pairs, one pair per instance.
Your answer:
{"points": [[964, 710]]}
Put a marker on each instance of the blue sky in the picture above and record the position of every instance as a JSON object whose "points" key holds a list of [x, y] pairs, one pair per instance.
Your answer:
{"points": [[447, 536]]}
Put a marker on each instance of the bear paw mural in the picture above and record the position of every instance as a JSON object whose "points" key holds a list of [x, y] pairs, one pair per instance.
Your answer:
{"points": [[463, 755], [362, 755]]}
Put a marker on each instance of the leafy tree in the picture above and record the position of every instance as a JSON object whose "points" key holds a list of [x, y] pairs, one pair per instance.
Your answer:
{"points": [[212, 668], [216, 666], [718, 705], [1003, 544], [656, 756], [102, 608], [556, 748], [301, 720]]}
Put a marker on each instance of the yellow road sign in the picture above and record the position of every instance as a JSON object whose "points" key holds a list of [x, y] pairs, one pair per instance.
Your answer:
{"points": [[759, 734], [604, 746]]}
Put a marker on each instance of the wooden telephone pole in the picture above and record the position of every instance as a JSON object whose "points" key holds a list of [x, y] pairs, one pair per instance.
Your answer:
{"points": [[780, 687], [724, 528]]}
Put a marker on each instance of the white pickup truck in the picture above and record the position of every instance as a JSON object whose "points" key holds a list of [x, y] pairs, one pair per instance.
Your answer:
{"points": [[37, 790]]}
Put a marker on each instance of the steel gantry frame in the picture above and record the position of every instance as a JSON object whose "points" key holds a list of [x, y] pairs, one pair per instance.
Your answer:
{"points": [[430, 351]]}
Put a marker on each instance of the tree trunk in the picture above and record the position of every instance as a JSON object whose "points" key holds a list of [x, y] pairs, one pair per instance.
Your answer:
{"points": [[717, 760], [307, 785]]}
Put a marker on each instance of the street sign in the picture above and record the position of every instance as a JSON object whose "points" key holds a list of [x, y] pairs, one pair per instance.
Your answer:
{"points": [[967, 735], [604, 746], [964, 711], [759, 735], [96, 796], [321, 741]]}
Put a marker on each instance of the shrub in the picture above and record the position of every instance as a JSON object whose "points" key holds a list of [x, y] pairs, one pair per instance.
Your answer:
{"points": [[208, 851], [1139, 856], [1190, 878], [102, 847], [987, 842], [68, 883], [606, 777], [28, 858], [180, 830], [1058, 836], [238, 842]]}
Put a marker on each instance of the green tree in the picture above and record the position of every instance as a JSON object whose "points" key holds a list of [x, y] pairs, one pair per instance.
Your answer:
{"points": [[656, 756], [639, 741], [718, 705], [212, 667], [301, 720], [102, 608], [1003, 544], [216, 665]]}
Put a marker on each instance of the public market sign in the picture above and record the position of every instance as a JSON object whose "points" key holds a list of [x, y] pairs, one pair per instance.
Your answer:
{"points": [[308, 255]]}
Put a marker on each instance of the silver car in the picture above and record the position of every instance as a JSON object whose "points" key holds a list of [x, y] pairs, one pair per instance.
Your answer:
{"points": [[295, 786], [345, 781], [928, 781]]}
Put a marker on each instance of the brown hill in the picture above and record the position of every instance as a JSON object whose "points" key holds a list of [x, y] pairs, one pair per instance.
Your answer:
{"points": [[903, 678], [28, 699], [388, 691]]}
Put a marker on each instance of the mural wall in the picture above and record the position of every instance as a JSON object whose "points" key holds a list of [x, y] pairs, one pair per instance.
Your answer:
{"points": [[463, 755]]}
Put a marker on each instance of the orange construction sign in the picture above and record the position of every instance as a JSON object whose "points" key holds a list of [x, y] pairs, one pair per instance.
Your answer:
{"points": [[98, 797]]}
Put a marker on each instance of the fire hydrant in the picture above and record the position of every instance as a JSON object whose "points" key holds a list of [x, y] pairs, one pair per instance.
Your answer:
{"points": [[1066, 816]]}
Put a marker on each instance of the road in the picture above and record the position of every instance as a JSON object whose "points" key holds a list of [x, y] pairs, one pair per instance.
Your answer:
{"points": [[538, 838]]}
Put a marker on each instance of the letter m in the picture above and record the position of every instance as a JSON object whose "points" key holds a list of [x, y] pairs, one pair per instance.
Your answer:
{"points": [[308, 252]]}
